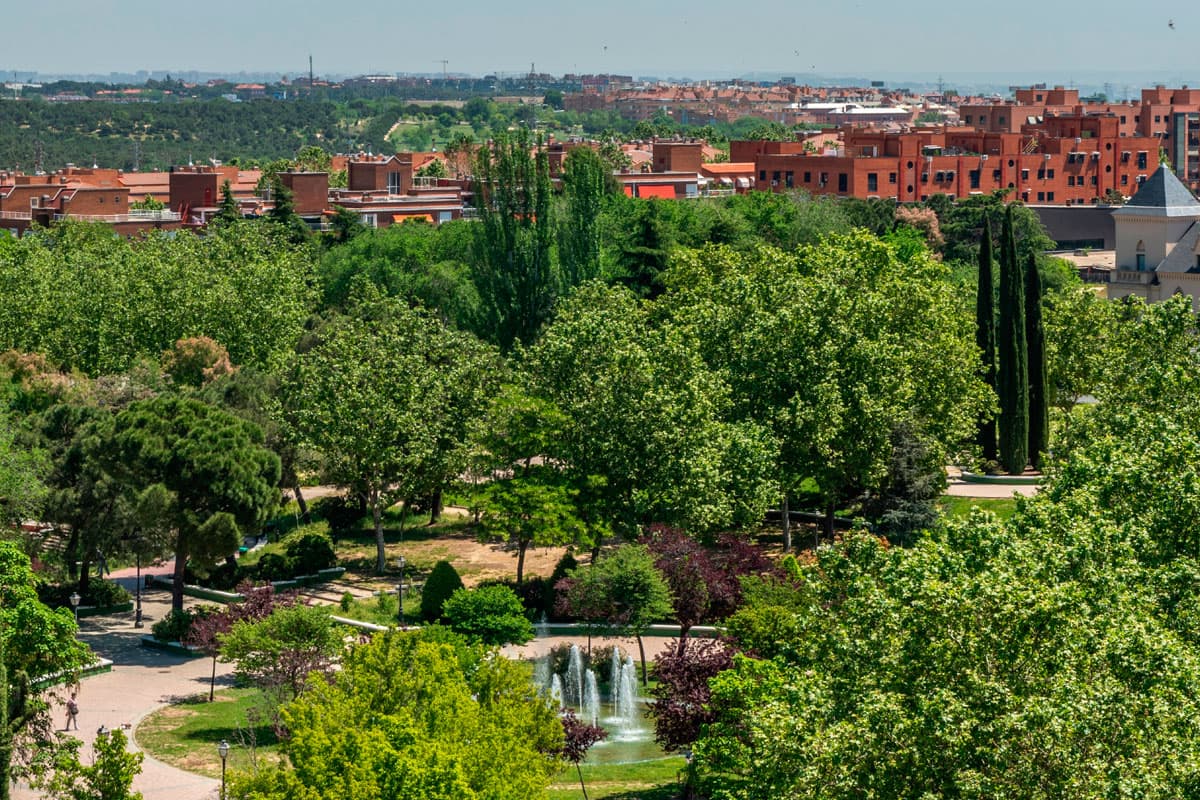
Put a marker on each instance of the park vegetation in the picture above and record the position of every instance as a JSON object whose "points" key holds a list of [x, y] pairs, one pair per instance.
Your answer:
{"points": [[641, 382]]}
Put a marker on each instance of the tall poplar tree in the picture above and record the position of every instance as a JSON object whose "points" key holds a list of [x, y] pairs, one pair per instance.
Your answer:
{"points": [[1013, 376], [1035, 339], [985, 336]]}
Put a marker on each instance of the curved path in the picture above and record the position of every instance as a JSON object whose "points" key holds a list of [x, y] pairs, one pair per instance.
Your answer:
{"points": [[140, 682]]}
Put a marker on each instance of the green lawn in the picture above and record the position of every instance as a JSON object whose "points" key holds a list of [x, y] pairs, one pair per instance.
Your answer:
{"points": [[185, 734], [960, 507], [645, 780]]}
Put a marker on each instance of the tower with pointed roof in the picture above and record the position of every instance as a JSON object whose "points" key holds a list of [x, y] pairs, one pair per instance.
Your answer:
{"points": [[1158, 241]]}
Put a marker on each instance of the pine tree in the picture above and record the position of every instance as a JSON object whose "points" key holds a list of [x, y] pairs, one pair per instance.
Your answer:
{"points": [[1013, 376], [230, 210], [985, 336], [1035, 338]]}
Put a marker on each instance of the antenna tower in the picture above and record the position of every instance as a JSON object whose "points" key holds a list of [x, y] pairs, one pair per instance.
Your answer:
{"points": [[443, 62]]}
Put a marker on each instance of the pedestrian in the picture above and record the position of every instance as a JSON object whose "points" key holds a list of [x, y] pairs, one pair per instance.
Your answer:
{"points": [[72, 713]]}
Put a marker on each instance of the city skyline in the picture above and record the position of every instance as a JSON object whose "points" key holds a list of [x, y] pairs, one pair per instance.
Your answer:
{"points": [[669, 38]]}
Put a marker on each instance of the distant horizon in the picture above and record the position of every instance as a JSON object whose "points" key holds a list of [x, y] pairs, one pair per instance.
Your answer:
{"points": [[914, 42]]}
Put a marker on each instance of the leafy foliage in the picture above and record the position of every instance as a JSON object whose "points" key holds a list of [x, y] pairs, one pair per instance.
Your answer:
{"points": [[443, 581], [492, 615]]}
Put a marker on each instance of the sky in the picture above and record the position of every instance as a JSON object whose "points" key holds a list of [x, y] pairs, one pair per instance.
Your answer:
{"points": [[1054, 39]]}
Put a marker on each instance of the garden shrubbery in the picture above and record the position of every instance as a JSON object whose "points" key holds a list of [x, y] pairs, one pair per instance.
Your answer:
{"points": [[100, 593], [442, 582]]}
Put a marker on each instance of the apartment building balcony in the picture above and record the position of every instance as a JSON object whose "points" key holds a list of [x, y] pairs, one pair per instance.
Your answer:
{"points": [[1142, 278]]}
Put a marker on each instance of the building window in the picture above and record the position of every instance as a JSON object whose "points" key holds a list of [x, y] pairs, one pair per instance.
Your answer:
{"points": [[973, 178], [1094, 180], [872, 182], [1039, 98], [1141, 262], [1124, 180], [775, 177], [789, 179], [1049, 197], [1041, 197], [1122, 119], [967, 119], [1042, 174], [1050, 174], [1158, 118], [1070, 180], [1024, 174], [808, 177], [822, 178], [762, 175], [1141, 159], [393, 183], [842, 182], [891, 177], [996, 175], [1000, 120], [1137, 117]]}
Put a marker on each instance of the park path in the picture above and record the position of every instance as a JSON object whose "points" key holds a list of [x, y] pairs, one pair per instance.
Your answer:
{"points": [[140, 682]]}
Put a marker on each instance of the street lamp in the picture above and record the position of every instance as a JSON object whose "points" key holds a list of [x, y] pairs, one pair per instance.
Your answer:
{"points": [[137, 614], [223, 751], [400, 562], [75, 605]]}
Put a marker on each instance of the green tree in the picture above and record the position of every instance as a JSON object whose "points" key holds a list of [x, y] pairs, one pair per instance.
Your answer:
{"points": [[492, 615], [109, 777], [517, 277], [34, 641], [281, 652], [217, 478], [634, 593], [442, 582], [985, 336], [586, 180], [415, 716], [283, 212], [533, 508], [1012, 379], [229, 211], [1035, 340], [381, 395]]}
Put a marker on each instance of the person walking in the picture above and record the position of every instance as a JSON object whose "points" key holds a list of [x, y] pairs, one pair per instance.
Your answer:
{"points": [[72, 713]]}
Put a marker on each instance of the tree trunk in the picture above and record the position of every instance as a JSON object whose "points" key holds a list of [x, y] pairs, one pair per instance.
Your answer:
{"points": [[521, 546], [212, 682], [71, 553], [581, 786], [642, 653], [85, 576], [300, 501], [180, 566], [830, 509], [377, 518], [785, 515], [435, 507]]}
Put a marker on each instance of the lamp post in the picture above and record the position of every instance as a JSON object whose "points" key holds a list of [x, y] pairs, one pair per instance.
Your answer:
{"points": [[400, 562], [137, 614], [75, 605], [223, 751]]}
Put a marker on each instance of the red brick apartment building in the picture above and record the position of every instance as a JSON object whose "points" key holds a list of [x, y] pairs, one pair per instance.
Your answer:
{"points": [[383, 190], [93, 195], [1070, 160], [1172, 116]]}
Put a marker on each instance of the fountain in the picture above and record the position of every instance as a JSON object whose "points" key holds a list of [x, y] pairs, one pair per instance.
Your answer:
{"points": [[573, 685], [625, 697], [630, 737], [542, 629], [590, 709]]}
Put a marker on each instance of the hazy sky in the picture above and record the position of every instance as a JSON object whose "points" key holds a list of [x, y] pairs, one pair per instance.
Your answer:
{"points": [[664, 37]]}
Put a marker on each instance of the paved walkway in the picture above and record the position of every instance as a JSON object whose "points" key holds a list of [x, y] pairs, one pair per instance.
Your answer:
{"points": [[140, 682]]}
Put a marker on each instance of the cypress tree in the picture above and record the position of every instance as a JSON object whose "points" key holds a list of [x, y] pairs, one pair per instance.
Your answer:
{"points": [[1013, 375], [985, 336], [1035, 339]]}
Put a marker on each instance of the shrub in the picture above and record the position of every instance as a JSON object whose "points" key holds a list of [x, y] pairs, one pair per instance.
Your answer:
{"points": [[343, 515], [309, 552], [224, 577], [346, 601], [275, 567], [174, 627], [490, 614], [100, 593], [442, 582]]}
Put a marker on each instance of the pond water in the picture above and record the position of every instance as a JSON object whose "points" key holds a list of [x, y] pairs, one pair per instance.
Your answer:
{"points": [[620, 710]]}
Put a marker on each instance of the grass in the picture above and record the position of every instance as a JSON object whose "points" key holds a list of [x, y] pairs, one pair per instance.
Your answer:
{"points": [[960, 507], [645, 780], [185, 734], [381, 610]]}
